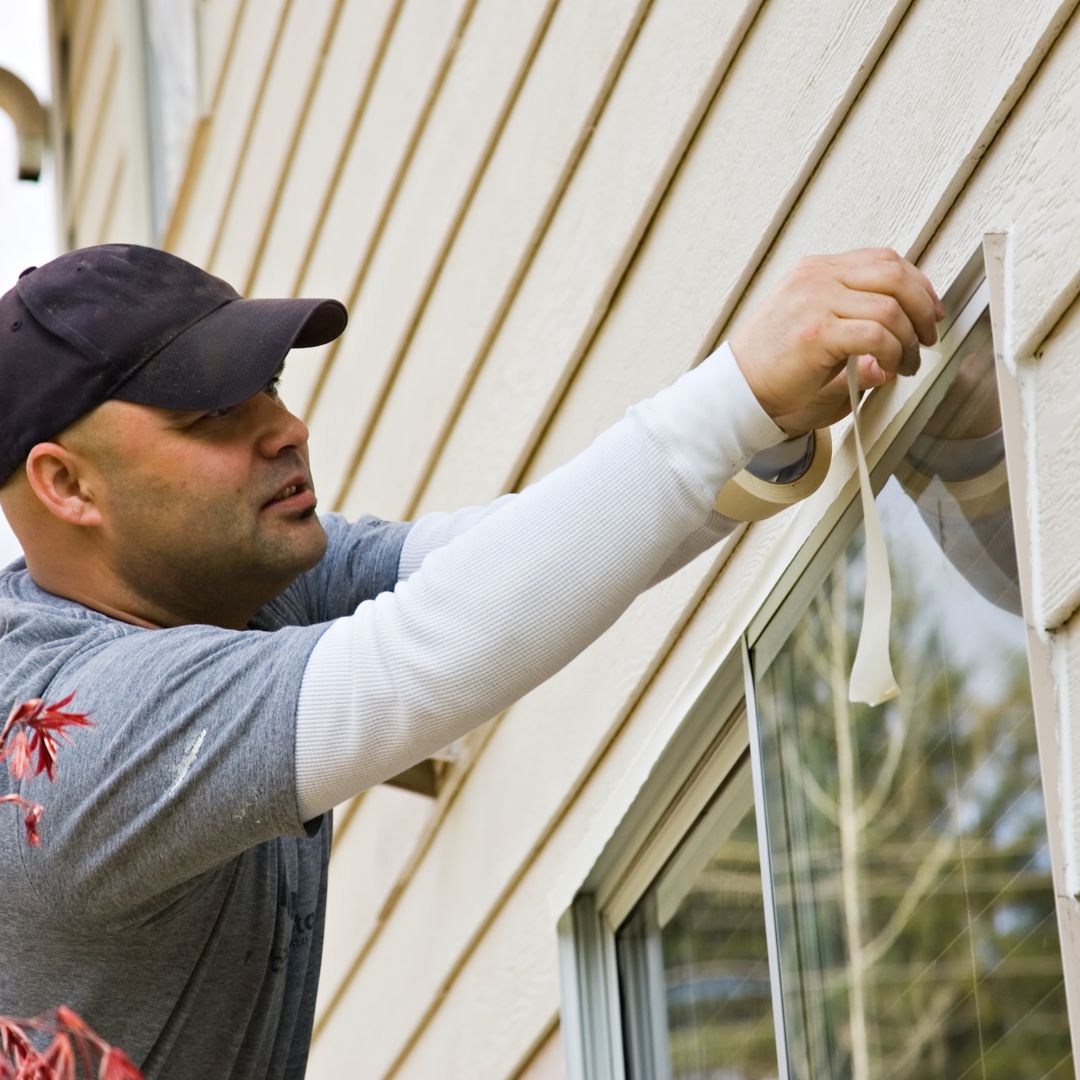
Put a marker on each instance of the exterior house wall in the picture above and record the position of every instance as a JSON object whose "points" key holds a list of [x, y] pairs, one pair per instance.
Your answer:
{"points": [[105, 191], [538, 213]]}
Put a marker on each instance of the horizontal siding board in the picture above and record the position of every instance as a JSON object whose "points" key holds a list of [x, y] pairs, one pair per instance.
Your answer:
{"points": [[93, 42], [1044, 177], [530, 167], [217, 23], [367, 859], [89, 126], [134, 122], [832, 215], [896, 128], [94, 197], [279, 110], [85, 28], [547, 1063], [420, 46], [752, 154], [114, 222], [495, 48], [503, 998], [344, 83], [639, 139], [301, 372], [1054, 445], [101, 199], [192, 236]]}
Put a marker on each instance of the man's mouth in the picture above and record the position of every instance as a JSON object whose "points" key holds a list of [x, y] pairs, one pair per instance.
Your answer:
{"points": [[295, 495]]}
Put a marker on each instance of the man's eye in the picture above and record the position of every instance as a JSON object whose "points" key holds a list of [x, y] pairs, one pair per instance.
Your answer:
{"points": [[271, 388]]}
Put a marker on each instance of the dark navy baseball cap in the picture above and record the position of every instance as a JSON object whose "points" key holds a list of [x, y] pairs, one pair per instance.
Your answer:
{"points": [[142, 325]]}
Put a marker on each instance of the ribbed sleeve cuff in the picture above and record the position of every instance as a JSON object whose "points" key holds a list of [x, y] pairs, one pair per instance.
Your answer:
{"points": [[712, 419]]}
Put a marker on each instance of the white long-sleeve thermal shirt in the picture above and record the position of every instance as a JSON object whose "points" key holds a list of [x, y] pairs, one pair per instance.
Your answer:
{"points": [[493, 601]]}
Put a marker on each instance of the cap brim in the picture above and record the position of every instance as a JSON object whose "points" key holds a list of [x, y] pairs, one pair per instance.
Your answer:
{"points": [[232, 353]]}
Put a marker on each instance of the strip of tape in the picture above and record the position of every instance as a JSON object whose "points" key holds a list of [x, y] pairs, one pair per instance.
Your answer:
{"points": [[872, 680]]}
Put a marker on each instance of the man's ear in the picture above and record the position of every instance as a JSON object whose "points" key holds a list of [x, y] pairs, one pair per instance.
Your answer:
{"points": [[57, 478]]}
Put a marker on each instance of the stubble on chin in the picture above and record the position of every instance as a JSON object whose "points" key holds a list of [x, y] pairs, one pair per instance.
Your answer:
{"points": [[204, 569]]}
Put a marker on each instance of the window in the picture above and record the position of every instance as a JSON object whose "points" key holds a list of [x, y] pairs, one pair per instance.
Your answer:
{"points": [[693, 960], [910, 869], [846, 891]]}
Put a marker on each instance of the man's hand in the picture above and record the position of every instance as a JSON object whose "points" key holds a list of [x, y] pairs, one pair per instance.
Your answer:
{"points": [[793, 349]]}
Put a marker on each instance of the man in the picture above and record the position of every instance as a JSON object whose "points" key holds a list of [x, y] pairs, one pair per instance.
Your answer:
{"points": [[249, 665]]}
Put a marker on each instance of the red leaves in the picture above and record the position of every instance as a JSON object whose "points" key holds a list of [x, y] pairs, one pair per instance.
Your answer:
{"points": [[14, 1045], [31, 817], [35, 728], [116, 1065], [45, 725], [73, 1041], [17, 754]]}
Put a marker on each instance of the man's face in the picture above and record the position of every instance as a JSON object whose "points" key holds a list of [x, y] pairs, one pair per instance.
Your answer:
{"points": [[204, 512]]}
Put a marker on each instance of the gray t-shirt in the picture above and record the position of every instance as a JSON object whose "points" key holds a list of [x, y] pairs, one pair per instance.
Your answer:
{"points": [[177, 900]]}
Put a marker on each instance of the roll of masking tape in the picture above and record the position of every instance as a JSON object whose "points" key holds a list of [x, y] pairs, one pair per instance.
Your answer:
{"points": [[746, 497]]}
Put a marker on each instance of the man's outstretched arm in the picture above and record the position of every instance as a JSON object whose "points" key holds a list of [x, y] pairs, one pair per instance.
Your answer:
{"points": [[505, 605]]}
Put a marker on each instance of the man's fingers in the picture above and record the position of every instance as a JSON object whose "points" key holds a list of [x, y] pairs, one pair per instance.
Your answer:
{"points": [[854, 337], [829, 307], [912, 359], [870, 374], [878, 307], [883, 254], [832, 401], [898, 279]]}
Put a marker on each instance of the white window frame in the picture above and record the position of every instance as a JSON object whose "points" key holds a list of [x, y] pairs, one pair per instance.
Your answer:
{"points": [[716, 722]]}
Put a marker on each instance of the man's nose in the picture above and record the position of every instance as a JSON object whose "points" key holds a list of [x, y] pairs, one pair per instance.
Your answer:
{"points": [[279, 428]]}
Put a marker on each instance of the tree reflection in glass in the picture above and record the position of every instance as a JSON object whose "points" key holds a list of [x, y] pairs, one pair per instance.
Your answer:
{"points": [[693, 960]]}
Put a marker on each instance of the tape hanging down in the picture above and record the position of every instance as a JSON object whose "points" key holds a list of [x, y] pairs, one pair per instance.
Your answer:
{"points": [[872, 681]]}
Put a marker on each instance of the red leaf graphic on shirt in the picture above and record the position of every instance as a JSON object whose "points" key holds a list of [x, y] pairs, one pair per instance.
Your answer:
{"points": [[33, 727], [42, 730], [31, 816], [74, 1042]]}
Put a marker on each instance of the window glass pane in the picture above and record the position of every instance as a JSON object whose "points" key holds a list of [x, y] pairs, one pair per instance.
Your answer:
{"points": [[693, 964], [913, 899]]}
